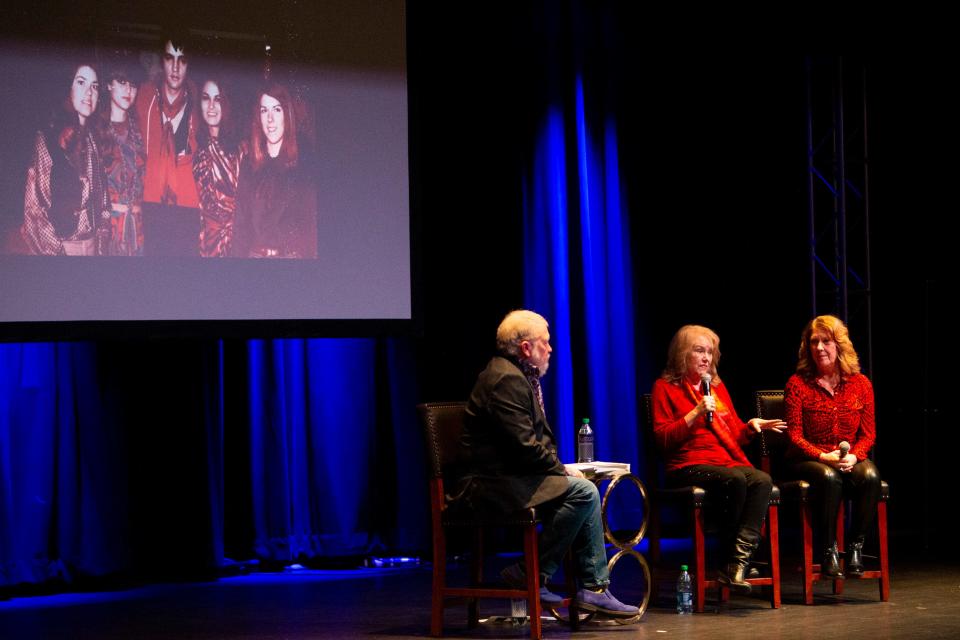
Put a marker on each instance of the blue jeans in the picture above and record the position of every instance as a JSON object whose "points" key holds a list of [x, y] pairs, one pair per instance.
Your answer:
{"points": [[573, 522]]}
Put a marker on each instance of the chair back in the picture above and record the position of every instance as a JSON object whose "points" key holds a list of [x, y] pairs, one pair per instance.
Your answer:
{"points": [[773, 446], [443, 424], [652, 458]]}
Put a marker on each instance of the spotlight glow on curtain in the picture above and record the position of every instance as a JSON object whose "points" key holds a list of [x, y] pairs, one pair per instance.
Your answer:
{"points": [[546, 271], [62, 498], [578, 196], [327, 472], [312, 416]]}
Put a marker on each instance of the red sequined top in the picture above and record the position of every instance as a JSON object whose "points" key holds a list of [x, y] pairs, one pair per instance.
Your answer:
{"points": [[818, 422], [684, 445], [217, 171]]}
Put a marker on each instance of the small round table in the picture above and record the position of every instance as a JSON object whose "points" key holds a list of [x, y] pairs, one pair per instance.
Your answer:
{"points": [[625, 547]]}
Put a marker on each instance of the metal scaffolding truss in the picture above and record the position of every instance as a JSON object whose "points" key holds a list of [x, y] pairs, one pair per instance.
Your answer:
{"points": [[839, 203]]}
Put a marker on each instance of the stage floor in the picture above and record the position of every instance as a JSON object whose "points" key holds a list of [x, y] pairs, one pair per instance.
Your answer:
{"points": [[394, 604]]}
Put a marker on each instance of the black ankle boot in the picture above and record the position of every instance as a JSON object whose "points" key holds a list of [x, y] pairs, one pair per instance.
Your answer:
{"points": [[733, 574], [831, 563], [855, 557]]}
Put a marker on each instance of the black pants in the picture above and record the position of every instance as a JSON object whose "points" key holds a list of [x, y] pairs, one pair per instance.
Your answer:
{"points": [[861, 485], [169, 230], [744, 492]]}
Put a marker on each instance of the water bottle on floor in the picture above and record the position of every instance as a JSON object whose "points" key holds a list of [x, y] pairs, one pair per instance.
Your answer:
{"points": [[684, 591]]}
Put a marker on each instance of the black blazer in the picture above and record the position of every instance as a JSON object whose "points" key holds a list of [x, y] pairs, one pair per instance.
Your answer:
{"points": [[511, 450]]}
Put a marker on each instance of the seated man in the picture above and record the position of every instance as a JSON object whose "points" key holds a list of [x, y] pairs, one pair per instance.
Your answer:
{"points": [[513, 465]]}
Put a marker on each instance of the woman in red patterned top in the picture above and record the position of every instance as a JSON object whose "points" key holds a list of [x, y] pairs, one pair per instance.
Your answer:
{"points": [[124, 158], [830, 403], [216, 168], [701, 436]]}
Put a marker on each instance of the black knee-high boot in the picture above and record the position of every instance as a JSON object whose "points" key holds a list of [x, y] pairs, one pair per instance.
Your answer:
{"points": [[734, 573]]}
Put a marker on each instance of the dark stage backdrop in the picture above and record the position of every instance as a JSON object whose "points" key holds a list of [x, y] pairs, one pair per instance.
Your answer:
{"points": [[560, 162]]}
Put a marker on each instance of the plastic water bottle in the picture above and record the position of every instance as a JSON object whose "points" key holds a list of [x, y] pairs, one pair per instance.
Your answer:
{"points": [[585, 442], [684, 591]]}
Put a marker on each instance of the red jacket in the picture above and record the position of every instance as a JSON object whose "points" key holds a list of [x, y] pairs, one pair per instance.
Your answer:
{"points": [[818, 422], [163, 172], [697, 444]]}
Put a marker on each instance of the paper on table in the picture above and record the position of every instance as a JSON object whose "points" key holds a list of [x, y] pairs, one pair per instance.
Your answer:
{"points": [[599, 468]]}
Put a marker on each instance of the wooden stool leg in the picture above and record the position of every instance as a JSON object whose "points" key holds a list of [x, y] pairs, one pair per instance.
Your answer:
{"points": [[532, 564], [439, 561], [838, 584], [807, 553], [773, 539], [884, 558], [699, 552]]}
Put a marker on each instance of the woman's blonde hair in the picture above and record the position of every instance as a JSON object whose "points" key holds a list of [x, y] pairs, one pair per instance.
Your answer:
{"points": [[846, 355], [680, 347]]}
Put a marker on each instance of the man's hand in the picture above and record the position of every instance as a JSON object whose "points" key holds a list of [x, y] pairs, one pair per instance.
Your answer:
{"points": [[573, 471]]}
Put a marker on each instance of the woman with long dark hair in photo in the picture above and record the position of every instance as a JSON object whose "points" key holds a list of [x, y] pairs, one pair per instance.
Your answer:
{"points": [[216, 168], [124, 158], [277, 194], [65, 202]]}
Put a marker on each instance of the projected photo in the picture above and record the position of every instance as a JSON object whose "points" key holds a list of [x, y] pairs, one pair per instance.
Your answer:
{"points": [[172, 165], [184, 153]]}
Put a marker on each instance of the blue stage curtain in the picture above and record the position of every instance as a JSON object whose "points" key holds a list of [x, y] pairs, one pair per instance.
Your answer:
{"points": [[63, 502], [577, 249], [118, 464], [336, 454]]}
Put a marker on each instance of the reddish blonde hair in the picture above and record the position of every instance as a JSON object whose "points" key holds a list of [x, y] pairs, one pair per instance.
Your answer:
{"points": [[833, 326], [289, 150]]}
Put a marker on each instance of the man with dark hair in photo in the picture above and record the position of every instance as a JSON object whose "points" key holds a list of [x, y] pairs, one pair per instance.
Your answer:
{"points": [[167, 108]]}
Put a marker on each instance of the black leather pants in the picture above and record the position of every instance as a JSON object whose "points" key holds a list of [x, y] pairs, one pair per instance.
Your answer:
{"points": [[861, 485], [745, 493]]}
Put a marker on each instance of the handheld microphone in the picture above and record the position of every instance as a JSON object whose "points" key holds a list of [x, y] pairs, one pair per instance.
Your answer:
{"points": [[844, 449], [705, 380]]}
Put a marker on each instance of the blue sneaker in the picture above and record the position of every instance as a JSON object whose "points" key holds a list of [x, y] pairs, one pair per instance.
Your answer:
{"points": [[605, 603], [517, 579]]}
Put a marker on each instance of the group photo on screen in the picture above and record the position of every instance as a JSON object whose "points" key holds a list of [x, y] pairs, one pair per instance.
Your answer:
{"points": [[209, 163], [166, 153]]}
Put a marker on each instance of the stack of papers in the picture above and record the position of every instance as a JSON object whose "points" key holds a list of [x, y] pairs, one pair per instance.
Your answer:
{"points": [[599, 469]]}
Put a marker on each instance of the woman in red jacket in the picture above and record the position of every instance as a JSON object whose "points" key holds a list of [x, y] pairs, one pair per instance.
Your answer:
{"points": [[701, 436], [829, 403]]}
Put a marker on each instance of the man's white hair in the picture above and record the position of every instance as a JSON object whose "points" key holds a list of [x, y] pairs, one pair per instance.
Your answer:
{"points": [[516, 327]]}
